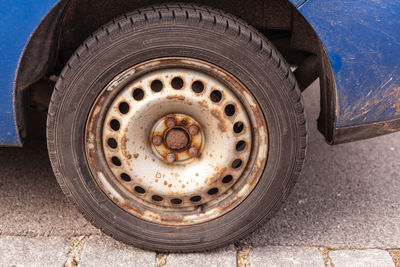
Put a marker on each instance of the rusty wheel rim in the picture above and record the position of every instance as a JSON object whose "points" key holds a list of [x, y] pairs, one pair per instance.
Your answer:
{"points": [[176, 141]]}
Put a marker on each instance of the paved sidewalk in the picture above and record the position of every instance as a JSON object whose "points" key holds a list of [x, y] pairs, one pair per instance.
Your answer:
{"points": [[98, 250], [344, 211]]}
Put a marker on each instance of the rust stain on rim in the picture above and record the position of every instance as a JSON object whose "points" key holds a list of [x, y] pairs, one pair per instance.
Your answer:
{"points": [[223, 203]]}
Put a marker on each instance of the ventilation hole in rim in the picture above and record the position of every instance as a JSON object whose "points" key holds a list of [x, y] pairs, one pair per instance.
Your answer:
{"points": [[238, 127], [176, 201], [156, 86], [213, 191], [195, 198], [177, 83], [138, 94], [241, 145], [230, 110], [116, 161], [198, 87], [227, 179], [125, 177], [216, 96], [139, 190], [157, 198], [124, 107], [115, 125], [112, 143], [237, 163]]}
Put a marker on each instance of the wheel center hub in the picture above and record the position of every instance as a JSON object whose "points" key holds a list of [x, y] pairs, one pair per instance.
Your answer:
{"points": [[177, 138]]}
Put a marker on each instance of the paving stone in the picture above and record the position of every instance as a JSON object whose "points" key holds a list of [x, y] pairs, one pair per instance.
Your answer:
{"points": [[221, 258], [362, 258], [33, 251], [105, 251], [286, 256]]}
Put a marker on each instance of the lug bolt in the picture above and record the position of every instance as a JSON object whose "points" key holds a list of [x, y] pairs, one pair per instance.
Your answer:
{"points": [[193, 130], [193, 151], [171, 157], [157, 140], [171, 122]]}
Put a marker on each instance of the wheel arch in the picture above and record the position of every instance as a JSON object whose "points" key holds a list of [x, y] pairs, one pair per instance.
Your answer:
{"points": [[70, 22]]}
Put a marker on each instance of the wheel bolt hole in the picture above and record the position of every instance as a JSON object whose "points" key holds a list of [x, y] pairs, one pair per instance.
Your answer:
{"points": [[157, 198], [230, 110], [116, 161], [138, 94], [195, 199], [176, 201], [241, 145], [197, 87], [125, 177], [238, 127], [216, 96], [112, 143], [115, 125], [213, 191], [123, 107], [177, 83], [139, 190], [156, 86], [227, 179], [237, 163]]}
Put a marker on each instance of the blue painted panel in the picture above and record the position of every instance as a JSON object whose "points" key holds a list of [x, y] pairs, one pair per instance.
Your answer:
{"points": [[18, 19], [361, 37], [362, 40]]}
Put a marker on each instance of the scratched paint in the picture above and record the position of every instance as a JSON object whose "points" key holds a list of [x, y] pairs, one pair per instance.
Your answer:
{"points": [[298, 3], [362, 40]]}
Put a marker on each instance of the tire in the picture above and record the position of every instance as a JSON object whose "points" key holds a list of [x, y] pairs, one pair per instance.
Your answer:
{"points": [[176, 31]]}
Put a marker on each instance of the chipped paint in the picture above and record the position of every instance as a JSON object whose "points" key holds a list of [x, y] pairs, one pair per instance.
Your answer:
{"points": [[396, 105]]}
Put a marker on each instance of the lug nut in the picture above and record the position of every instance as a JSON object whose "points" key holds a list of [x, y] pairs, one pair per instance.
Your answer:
{"points": [[157, 140], [171, 157], [193, 130], [193, 151], [171, 122]]}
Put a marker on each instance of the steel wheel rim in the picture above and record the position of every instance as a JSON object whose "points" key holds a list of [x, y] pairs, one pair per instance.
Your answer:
{"points": [[128, 123]]}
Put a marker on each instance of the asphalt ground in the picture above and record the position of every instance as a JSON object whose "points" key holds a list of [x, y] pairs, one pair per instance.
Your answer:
{"points": [[347, 196]]}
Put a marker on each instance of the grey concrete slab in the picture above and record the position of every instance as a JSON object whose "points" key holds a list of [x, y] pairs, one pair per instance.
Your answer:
{"points": [[31, 202], [347, 195], [39, 251], [361, 258], [105, 251], [225, 257], [286, 256]]}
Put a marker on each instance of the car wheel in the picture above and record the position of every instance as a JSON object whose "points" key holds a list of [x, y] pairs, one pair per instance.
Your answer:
{"points": [[177, 128]]}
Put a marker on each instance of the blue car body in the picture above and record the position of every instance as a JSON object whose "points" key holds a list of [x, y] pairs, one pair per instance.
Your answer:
{"points": [[360, 37]]}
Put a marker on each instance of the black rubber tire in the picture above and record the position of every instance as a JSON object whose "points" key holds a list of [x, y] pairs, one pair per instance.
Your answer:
{"points": [[192, 31]]}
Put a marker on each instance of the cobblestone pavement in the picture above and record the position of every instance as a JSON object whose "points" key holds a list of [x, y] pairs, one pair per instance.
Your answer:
{"points": [[344, 211], [99, 250]]}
